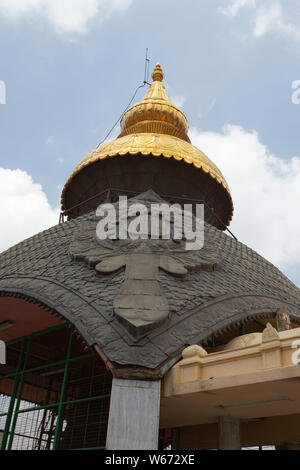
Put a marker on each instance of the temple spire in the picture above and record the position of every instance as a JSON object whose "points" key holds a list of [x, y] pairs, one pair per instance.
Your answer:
{"points": [[153, 127], [158, 74], [155, 113]]}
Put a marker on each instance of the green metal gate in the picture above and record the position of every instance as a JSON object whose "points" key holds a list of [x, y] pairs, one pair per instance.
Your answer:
{"points": [[53, 394]]}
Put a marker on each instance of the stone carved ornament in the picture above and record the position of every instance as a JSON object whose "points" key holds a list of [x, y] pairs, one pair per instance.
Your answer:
{"points": [[141, 304]]}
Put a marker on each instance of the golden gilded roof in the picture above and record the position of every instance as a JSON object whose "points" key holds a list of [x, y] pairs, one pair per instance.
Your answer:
{"points": [[154, 126], [153, 144], [155, 113]]}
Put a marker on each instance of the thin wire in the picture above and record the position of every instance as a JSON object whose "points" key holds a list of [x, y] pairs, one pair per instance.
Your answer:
{"points": [[145, 82], [121, 117]]}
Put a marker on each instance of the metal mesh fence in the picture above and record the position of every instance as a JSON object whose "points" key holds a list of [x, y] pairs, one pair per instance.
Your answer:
{"points": [[53, 394], [31, 431]]}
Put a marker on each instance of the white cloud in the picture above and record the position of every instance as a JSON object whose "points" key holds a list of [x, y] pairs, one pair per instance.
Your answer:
{"points": [[273, 19], [24, 208], [270, 16], [265, 191], [208, 109], [234, 6], [212, 105], [178, 100], [66, 16]]}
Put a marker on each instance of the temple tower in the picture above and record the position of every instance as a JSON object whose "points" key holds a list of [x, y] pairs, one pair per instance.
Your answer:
{"points": [[144, 344]]}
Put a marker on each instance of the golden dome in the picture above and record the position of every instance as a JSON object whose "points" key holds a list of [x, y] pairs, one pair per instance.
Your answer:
{"points": [[155, 113], [152, 144], [152, 127]]}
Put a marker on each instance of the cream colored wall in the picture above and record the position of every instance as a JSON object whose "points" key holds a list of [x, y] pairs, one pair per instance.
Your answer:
{"points": [[271, 350], [254, 380]]}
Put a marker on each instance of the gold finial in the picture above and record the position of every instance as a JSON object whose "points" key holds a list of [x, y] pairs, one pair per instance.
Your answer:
{"points": [[158, 73], [155, 113]]}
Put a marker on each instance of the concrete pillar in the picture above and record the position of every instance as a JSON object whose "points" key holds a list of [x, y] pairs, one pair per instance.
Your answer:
{"points": [[134, 415], [229, 433]]}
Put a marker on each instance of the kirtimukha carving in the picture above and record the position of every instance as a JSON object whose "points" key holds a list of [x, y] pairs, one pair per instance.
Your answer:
{"points": [[141, 304]]}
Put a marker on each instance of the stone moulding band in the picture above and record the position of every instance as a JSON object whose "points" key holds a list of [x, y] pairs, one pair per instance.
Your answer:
{"points": [[157, 372]]}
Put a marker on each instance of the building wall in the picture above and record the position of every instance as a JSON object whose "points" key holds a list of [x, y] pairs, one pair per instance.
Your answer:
{"points": [[278, 430]]}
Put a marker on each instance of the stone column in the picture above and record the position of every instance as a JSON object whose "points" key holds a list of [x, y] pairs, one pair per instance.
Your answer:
{"points": [[229, 433], [134, 415]]}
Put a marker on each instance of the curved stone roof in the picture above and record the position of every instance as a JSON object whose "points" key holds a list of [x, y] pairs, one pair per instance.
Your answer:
{"points": [[203, 302]]}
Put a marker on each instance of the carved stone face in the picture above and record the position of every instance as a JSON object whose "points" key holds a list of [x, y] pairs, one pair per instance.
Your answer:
{"points": [[141, 304]]}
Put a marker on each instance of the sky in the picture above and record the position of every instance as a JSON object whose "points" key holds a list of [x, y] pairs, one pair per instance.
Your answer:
{"points": [[68, 68]]}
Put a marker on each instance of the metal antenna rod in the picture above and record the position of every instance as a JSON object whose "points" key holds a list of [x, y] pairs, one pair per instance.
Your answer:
{"points": [[147, 64]]}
